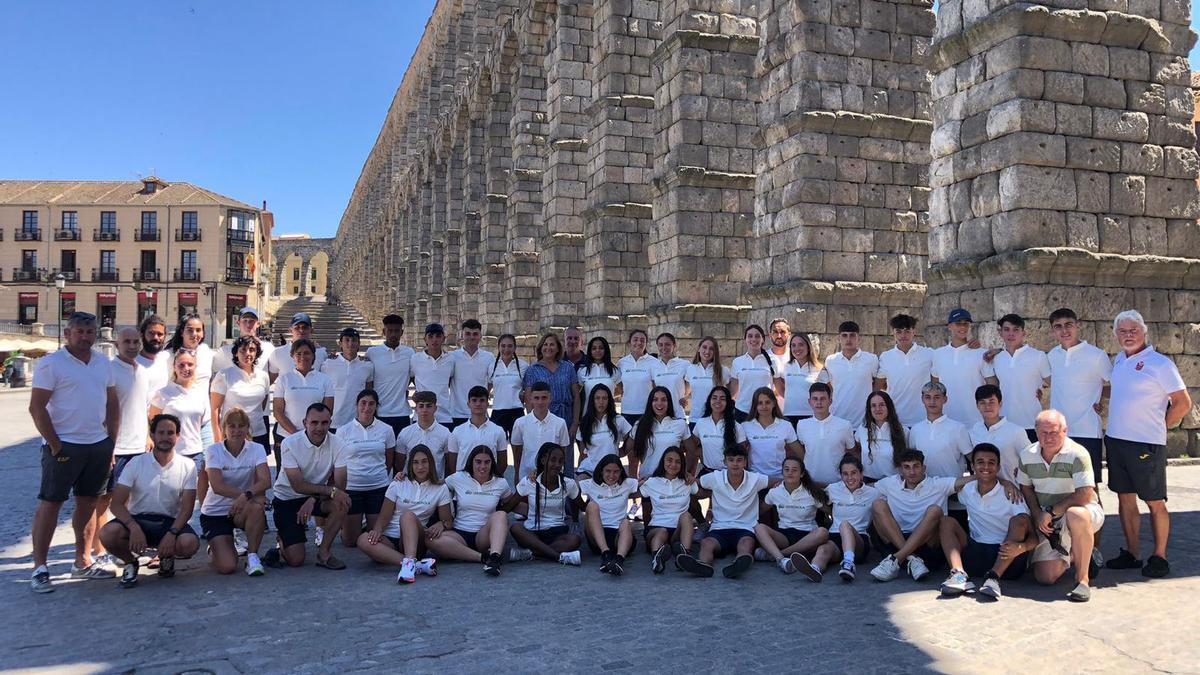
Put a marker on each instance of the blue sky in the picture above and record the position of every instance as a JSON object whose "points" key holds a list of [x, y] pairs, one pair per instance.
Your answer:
{"points": [[276, 101]]}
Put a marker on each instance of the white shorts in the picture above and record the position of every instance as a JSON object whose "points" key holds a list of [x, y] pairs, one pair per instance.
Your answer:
{"points": [[1044, 552]]}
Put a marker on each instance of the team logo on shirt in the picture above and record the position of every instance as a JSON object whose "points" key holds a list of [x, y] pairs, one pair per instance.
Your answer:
{"points": [[1140, 365]]}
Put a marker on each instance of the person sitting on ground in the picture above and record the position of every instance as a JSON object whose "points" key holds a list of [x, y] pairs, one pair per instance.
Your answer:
{"points": [[734, 494], [238, 478], [480, 525], [670, 491], [851, 499], [406, 519], [609, 531], [152, 505], [796, 500], [546, 494]]}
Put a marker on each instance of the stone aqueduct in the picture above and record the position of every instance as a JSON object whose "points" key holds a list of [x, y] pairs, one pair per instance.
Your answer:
{"points": [[696, 165]]}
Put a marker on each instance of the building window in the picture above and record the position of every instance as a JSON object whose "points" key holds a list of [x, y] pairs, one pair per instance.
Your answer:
{"points": [[70, 220], [149, 269], [296, 274], [28, 308], [149, 221], [188, 271], [66, 260], [29, 221], [191, 223], [108, 221], [240, 220], [108, 262], [29, 260]]}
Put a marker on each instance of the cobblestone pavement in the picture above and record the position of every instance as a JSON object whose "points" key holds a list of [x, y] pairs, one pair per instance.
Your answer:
{"points": [[541, 617]]}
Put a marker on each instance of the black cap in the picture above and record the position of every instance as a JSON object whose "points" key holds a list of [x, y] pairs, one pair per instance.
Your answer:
{"points": [[435, 329]]}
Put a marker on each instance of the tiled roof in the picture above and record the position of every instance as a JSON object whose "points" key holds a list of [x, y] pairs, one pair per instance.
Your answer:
{"points": [[109, 193]]}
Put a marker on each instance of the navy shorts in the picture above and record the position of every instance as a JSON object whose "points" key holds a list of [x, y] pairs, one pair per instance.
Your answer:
{"points": [[156, 525], [284, 512], [119, 463], [610, 538], [468, 538], [549, 535], [216, 526], [979, 558], [727, 540], [506, 418], [1095, 448], [792, 534], [397, 423], [366, 501]]}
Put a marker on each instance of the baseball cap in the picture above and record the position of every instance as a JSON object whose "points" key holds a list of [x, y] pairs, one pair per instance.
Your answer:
{"points": [[959, 314], [435, 329], [248, 311], [301, 317], [349, 331]]}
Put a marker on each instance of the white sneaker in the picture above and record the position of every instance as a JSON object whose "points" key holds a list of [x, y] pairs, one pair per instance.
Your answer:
{"points": [[887, 569], [957, 584], [761, 555], [319, 537], [991, 589], [93, 571], [427, 566], [254, 566], [239, 543], [570, 558], [517, 554], [917, 568], [785, 564], [108, 560], [408, 570]]}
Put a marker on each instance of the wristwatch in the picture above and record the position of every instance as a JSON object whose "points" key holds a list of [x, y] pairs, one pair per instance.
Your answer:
{"points": [[1050, 510], [249, 495], [174, 530]]}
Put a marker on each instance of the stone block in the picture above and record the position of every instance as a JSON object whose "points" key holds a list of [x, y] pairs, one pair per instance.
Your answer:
{"points": [[1090, 59], [1063, 87], [1172, 198], [1019, 115], [1183, 238], [1181, 162], [1147, 236], [1092, 189], [1121, 125], [1143, 159], [1103, 92], [1025, 228], [985, 194], [1035, 187], [1090, 153], [1072, 120], [1114, 234], [1128, 194], [1128, 64], [1146, 97], [1083, 230]]}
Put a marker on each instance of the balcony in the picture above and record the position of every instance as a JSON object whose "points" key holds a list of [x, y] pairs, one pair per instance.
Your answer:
{"points": [[187, 274], [146, 235], [105, 275], [68, 275], [239, 238], [187, 234], [145, 274], [27, 274], [101, 234], [237, 275], [66, 234], [27, 234]]}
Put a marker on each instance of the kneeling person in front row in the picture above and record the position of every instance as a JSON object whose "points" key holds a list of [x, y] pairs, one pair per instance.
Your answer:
{"points": [[152, 504], [1002, 533], [238, 478], [734, 493]]}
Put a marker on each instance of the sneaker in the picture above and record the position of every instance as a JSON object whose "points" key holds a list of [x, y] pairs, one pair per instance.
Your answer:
{"points": [[1095, 564], [491, 566], [761, 555], [786, 566], [319, 536], [570, 558], [108, 560], [93, 571], [166, 567], [239, 543], [272, 559], [693, 565], [991, 589], [847, 571], [606, 559], [956, 584], [917, 568], [254, 566], [617, 566], [427, 566], [803, 566], [129, 577], [516, 554], [1123, 561], [408, 571], [40, 581], [1081, 593], [887, 569], [659, 564], [738, 567], [677, 550], [1156, 567]]}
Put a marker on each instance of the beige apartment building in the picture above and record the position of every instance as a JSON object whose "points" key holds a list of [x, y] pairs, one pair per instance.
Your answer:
{"points": [[126, 249]]}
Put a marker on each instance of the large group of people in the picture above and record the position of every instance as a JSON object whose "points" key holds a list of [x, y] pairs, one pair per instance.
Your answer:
{"points": [[935, 458]]}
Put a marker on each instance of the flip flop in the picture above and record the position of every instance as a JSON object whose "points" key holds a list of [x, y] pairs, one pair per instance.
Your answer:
{"points": [[331, 563]]}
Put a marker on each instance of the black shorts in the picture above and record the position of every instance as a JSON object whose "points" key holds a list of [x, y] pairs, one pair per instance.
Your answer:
{"points": [[933, 556], [979, 558], [610, 538], [550, 534], [79, 468], [792, 534], [456, 422], [632, 418], [727, 540], [397, 423], [155, 526], [739, 416], [1031, 434], [366, 501], [264, 440], [795, 419], [1095, 448], [284, 512], [216, 526], [468, 538], [861, 551], [506, 418], [1137, 467], [650, 531], [119, 463]]}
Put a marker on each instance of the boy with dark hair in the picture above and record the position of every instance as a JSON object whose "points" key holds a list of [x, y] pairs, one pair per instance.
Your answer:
{"points": [[426, 431], [1021, 370], [734, 494], [853, 372], [998, 431], [904, 369]]}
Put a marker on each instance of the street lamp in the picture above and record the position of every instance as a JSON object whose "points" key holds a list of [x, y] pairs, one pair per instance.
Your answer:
{"points": [[59, 283]]}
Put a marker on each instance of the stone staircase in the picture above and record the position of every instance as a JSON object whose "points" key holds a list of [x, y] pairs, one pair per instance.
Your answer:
{"points": [[329, 318]]}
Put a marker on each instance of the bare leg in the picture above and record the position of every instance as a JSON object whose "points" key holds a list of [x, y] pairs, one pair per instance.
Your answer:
{"points": [[708, 550], [953, 541], [101, 518], [1079, 521], [45, 520], [493, 533], [745, 546], [1131, 522], [925, 532], [451, 546], [382, 552], [770, 540], [333, 523], [253, 521], [1160, 525], [351, 528], [886, 525], [83, 523], [224, 557], [656, 539], [116, 540], [809, 542], [624, 537], [1021, 538], [529, 540], [595, 529], [825, 553], [411, 533], [685, 530]]}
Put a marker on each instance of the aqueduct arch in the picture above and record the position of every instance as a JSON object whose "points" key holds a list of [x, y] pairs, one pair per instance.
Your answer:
{"points": [[301, 265]]}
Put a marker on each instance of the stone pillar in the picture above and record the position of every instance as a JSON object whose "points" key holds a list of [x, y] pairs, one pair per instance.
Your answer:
{"points": [[305, 272], [494, 216], [1064, 171]]}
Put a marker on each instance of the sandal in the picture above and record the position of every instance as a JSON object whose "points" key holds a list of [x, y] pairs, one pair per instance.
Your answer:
{"points": [[331, 563]]}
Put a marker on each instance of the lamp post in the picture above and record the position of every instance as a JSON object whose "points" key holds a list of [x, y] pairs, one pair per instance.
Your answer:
{"points": [[59, 283]]}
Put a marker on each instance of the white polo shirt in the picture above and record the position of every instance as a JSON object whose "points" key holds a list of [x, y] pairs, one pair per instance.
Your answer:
{"points": [[751, 372], [734, 508], [878, 454], [473, 502], [467, 436], [701, 379], [670, 497], [155, 489], [133, 397], [348, 378], [767, 446], [366, 453], [612, 500], [159, 369], [468, 370], [797, 509], [192, 408], [236, 471], [908, 505], [1077, 379], [712, 441], [280, 361], [667, 432], [797, 378], [671, 375], [204, 365], [825, 443], [78, 394], [595, 374], [552, 512], [602, 443], [507, 381], [1020, 374], [316, 463], [436, 438], [1010, 438], [420, 499], [245, 392], [1141, 387], [531, 434], [300, 391], [945, 442], [223, 357], [988, 514], [906, 373], [780, 361], [637, 379], [853, 380], [430, 374], [851, 507], [961, 370], [392, 374]]}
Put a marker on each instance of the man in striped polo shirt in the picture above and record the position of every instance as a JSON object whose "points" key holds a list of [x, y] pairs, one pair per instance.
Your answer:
{"points": [[1055, 475]]}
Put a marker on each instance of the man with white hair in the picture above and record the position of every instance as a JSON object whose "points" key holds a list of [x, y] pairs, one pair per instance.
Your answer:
{"points": [[1148, 397], [1055, 475]]}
